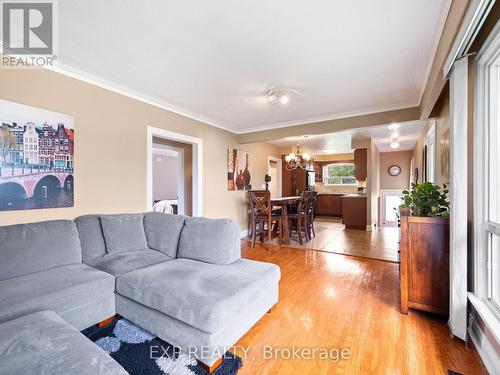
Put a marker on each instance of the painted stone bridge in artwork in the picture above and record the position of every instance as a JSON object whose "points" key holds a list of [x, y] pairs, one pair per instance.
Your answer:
{"points": [[26, 183]]}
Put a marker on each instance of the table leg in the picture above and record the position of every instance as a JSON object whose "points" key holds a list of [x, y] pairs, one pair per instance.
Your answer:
{"points": [[285, 223]]}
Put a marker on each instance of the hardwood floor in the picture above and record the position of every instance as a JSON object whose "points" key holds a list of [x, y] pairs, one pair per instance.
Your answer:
{"points": [[338, 302], [331, 236]]}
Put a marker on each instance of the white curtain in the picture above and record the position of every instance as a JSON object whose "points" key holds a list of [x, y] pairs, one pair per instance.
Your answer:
{"points": [[458, 199]]}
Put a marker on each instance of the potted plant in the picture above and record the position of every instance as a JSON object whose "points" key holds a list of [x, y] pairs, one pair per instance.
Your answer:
{"points": [[426, 199]]}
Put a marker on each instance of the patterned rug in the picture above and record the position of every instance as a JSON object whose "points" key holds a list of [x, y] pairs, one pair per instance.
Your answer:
{"points": [[131, 347]]}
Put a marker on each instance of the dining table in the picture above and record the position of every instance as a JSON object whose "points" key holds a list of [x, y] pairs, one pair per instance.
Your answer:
{"points": [[285, 203]]}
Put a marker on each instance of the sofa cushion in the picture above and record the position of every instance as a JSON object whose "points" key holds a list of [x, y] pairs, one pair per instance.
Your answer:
{"points": [[214, 241], [205, 296], [123, 232], [163, 231], [29, 248], [91, 236], [58, 289], [43, 343], [126, 261]]}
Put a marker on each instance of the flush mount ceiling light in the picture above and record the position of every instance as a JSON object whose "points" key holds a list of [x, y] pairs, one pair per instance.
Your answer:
{"points": [[393, 126], [395, 143], [275, 96]]}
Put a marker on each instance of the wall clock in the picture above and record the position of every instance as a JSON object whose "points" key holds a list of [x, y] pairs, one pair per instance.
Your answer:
{"points": [[394, 170]]}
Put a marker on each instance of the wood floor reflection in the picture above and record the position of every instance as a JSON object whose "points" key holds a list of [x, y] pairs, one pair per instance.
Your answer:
{"points": [[335, 301], [331, 236]]}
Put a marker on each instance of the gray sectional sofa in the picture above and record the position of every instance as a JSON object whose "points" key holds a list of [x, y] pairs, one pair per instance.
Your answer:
{"points": [[178, 277]]}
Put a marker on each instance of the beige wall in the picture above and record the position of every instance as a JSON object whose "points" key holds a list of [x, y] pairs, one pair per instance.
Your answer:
{"points": [[401, 158], [110, 176]]}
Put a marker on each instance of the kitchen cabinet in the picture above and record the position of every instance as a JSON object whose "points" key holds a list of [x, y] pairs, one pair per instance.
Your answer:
{"points": [[361, 164], [294, 181], [328, 204], [318, 172], [354, 211]]}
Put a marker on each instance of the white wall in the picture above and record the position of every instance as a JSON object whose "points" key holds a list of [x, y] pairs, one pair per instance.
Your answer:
{"points": [[165, 177]]}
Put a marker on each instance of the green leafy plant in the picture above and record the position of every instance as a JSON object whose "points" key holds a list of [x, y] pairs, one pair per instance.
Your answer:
{"points": [[427, 199]]}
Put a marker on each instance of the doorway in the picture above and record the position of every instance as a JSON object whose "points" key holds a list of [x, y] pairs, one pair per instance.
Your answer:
{"points": [[274, 170], [390, 200], [169, 181], [190, 150]]}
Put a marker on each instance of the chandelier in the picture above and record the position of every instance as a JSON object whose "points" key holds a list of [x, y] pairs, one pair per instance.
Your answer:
{"points": [[298, 159]]}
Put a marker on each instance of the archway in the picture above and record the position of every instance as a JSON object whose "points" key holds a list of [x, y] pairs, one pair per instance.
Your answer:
{"points": [[11, 194], [68, 183], [47, 187]]}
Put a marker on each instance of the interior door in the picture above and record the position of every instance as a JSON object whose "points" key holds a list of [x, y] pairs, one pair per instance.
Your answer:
{"points": [[390, 200]]}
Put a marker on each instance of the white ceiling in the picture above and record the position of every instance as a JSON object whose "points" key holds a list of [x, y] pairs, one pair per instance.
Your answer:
{"points": [[214, 60], [335, 143]]}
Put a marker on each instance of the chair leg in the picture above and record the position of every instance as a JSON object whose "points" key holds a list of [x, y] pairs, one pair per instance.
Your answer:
{"points": [[299, 230], [270, 234], [254, 232], [280, 226], [312, 227]]}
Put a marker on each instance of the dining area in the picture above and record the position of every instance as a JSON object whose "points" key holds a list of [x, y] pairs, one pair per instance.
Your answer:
{"points": [[280, 217]]}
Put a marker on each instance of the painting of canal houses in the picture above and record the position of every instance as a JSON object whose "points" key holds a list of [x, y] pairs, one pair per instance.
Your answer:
{"points": [[36, 158]]}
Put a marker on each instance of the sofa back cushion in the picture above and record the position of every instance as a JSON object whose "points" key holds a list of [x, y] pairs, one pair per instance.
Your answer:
{"points": [[163, 231], [35, 247], [91, 236], [214, 241], [123, 232]]}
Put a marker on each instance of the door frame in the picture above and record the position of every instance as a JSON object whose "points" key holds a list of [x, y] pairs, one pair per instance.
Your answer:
{"points": [[197, 145], [179, 154], [280, 173], [383, 194]]}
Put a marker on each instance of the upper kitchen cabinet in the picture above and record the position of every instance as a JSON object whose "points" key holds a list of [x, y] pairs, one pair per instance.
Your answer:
{"points": [[361, 163]]}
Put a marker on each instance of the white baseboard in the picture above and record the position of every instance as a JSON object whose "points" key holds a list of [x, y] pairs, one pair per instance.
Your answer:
{"points": [[485, 348], [244, 233]]}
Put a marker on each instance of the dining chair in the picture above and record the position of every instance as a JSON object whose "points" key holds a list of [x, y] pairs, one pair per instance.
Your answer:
{"points": [[298, 217], [310, 213], [262, 213]]}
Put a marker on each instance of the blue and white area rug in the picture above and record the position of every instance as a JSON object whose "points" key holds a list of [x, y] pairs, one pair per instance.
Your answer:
{"points": [[132, 347]]}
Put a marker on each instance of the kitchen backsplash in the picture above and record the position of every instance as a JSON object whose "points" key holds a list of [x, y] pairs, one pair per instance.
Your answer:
{"points": [[321, 188]]}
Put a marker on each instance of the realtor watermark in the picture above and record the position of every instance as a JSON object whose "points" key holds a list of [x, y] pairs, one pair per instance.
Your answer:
{"points": [[29, 33], [267, 353]]}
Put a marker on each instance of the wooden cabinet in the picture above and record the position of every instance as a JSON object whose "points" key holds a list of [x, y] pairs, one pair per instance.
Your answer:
{"points": [[293, 182], [328, 204], [424, 264], [354, 212], [318, 172], [361, 163]]}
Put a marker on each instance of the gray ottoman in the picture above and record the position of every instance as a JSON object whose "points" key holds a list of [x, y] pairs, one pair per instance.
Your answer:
{"points": [[44, 343]]}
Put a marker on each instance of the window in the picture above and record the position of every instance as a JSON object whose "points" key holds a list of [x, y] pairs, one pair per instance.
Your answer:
{"points": [[339, 174], [486, 176]]}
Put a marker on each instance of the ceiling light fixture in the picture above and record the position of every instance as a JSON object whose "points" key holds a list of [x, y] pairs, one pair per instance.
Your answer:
{"points": [[395, 143], [275, 96], [298, 159], [393, 126]]}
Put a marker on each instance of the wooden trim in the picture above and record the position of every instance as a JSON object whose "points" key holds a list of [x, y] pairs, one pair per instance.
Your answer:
{"points": [[428, 308], [210, 369], [428, 220]]}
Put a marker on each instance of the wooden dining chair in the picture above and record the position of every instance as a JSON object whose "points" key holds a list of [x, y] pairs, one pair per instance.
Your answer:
{"points": [[262, 213], [312, 196], [298, 217]]}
